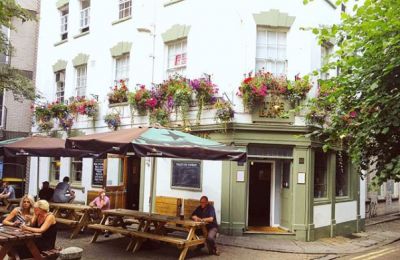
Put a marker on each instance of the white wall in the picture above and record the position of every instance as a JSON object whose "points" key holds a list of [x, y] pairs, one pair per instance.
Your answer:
{"points": [[322, 215], [211, 183], [345, 211]]}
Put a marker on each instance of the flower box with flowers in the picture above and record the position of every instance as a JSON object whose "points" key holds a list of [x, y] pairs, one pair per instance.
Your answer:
{"points": [[84, 107], [141, 100], [118, 93], [205, 92], [272, 97], [113, 120]]}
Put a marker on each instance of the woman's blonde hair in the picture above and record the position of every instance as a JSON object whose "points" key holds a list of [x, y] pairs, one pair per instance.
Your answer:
{"points": [[31, 202], [42, 204]]}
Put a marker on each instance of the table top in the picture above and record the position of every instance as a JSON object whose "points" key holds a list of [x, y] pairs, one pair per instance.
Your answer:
{"points": [[8, 233], [69, 206], [152, 217]]}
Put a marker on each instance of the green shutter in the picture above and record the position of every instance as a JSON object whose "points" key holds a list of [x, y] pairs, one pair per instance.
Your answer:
{"points": [[176, 32], [59, 65], [121, 48], [80, 59], [274, 18], [61, 3]]}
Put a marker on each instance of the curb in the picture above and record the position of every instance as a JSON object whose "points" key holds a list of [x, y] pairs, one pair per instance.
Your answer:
{"points": [[389, 219]]}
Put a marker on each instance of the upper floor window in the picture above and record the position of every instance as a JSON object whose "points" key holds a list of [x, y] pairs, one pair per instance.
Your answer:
{"points": [[81, 76], [326, 52], [60, 85], [342, 174], [85, 15], [125, 8], [271, 51], [177, 58], [64, 22], [4, 57], [122, 68]]}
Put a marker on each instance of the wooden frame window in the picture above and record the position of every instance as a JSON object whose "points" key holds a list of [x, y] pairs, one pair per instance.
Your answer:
{"points": [[271, 51]]}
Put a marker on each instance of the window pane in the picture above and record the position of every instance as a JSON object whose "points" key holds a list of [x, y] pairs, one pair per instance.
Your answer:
{"points": [[76, 173], [260, 65], [271, 38], [261, 37], [55, 164], [342, 174], [261, 52], [320, 174]]}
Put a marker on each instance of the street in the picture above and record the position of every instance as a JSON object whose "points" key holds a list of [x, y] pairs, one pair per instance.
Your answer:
{"points": [[388, 252]]}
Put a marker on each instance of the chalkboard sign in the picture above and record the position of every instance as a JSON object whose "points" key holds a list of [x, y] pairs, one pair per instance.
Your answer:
{"points": [[186, 175], [97, 175]]}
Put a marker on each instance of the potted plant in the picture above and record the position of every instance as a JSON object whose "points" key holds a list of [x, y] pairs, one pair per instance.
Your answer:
{"points": [[43, 113], [118, 94], [159, 116], [113, 120], [205, 92], [58, 110], [141, 100], [224, 113], [253, 89], [297, 90]]}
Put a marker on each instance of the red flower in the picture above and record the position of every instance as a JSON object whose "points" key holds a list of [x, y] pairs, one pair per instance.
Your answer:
{"points": [[247, 80]]}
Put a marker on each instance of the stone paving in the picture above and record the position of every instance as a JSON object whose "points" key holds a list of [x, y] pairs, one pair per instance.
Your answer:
{"points": [[379, 231]]}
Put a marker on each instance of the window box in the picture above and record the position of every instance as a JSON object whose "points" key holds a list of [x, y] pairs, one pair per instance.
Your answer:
{"points": [[81, 34], [60, 42], [123, 104], [121, 20], [171, 2]]}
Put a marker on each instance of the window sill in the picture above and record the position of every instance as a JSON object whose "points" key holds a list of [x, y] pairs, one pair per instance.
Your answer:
{"points": [[321, 201], [81, 34], [118, 104], [343, 199], [60, 42], [121, 20], [171, 2]]}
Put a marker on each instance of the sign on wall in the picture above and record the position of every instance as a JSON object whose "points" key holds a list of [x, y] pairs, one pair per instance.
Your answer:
{"points": [[97, 174], [186, 175]]}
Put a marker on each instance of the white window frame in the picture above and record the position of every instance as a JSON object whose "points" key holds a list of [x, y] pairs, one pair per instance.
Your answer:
{"points": [[60, 85], [64, 24], [326, 52], [74, 162], [85, 18], [267, 46], [125, 8], [81, 80], [54, 168], [177, 57], [122, 68]]}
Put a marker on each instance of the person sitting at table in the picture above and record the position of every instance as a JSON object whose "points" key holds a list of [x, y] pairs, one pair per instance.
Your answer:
{"points": [[43, 222], [63, 192], [8, 192], [206, 213], [46, 193], [101, 202], [22, 214]]}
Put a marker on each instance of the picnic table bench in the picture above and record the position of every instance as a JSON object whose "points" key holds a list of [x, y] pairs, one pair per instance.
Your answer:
{"points": [[12, 236], [9, 204], [152, 227], [74, 215]]}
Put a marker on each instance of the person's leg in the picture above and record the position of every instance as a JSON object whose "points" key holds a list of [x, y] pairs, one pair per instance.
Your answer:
{"points": [[211, 237]]}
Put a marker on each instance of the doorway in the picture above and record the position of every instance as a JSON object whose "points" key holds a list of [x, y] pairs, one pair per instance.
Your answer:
{"points": [[133, 183], [260, 182]]}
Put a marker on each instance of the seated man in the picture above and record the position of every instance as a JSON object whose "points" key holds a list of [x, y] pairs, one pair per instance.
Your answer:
{"points": [[206, 213], [63, 192], [8, 192], [46, 193]]}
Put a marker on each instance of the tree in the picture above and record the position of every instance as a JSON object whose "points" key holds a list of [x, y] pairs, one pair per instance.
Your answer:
{"points": [[360, 108], [10, 78]]}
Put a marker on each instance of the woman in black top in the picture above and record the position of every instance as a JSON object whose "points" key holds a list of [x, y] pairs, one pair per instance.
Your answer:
{"points": [[43, 222]]}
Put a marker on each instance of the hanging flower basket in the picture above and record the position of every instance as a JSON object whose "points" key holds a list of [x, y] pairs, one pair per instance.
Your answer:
{"points": [[224, 113], [205, 92], [113, 120], [141, 100]]}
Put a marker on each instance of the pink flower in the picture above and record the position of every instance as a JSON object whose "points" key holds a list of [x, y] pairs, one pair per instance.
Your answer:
{"points": [[353, 114]]}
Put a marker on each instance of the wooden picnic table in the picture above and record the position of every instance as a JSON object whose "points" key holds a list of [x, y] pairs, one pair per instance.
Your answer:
{"points": [[12, 236], [152, 227], [75, 215]]}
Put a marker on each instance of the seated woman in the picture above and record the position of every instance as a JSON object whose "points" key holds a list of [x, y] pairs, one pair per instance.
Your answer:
{"points": [[43, 222], [101, 202], [22, 214]]}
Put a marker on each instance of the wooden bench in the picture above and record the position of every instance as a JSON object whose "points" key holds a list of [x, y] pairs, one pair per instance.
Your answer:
{"points": [[168, 206], [112, 229], [68, 222]]}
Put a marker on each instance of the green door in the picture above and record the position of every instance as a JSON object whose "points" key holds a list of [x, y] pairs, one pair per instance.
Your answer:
{"points": [[286, 194]]}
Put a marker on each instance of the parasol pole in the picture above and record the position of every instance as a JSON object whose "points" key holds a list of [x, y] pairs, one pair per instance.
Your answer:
{"points": [[37, 173], [152, 172]]}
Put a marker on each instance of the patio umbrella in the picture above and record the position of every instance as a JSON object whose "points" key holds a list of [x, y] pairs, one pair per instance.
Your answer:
{"points": [[39, 146], [156, 142]]}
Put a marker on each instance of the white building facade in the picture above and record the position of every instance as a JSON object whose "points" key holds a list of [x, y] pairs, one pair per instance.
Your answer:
{"points": [[85, 47]]}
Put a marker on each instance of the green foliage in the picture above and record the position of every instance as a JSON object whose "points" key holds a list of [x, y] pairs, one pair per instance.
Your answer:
{"points": [[10, 78], [362, 103]]}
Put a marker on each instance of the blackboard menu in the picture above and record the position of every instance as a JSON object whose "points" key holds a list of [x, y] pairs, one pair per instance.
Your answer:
{"points": [[186, 175], [97, 175]]}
